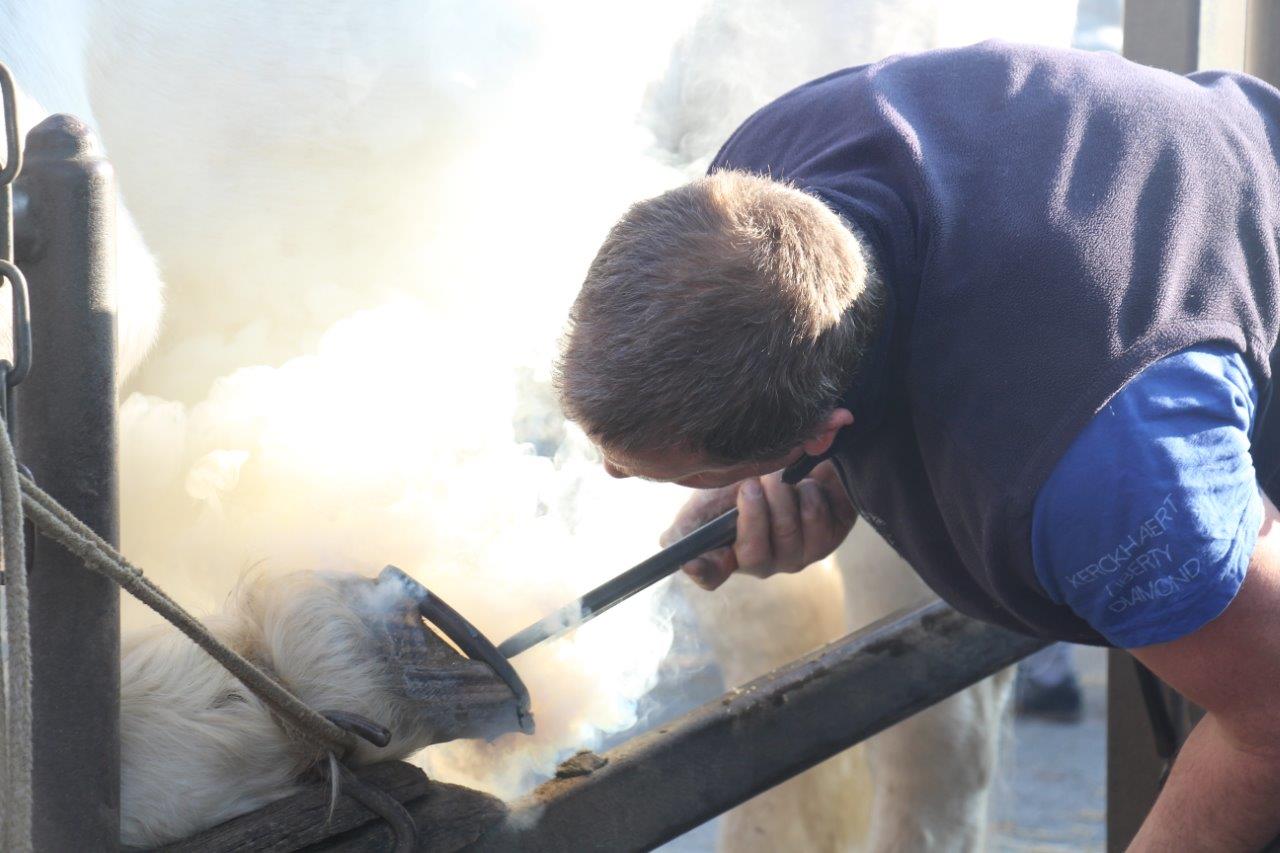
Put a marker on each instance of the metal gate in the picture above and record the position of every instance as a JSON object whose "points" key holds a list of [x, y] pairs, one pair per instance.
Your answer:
{"points": [[56, 222]]}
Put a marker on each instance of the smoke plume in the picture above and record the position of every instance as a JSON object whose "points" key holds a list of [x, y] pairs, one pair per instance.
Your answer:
{"points": [[372, 220]]}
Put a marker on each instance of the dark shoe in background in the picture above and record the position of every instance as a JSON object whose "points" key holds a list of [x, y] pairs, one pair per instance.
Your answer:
{"points": [[1062, 702]]}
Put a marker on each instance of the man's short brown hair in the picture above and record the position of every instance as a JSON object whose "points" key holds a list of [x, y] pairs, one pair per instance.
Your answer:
{"points": [[726, 317]]}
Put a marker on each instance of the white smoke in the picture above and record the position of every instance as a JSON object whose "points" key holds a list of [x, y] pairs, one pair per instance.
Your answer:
{"points": [[368, 270], [387, 436], [742, 53]]}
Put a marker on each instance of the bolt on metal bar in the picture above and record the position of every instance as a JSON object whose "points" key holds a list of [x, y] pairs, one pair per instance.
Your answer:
{"points": [[67, 437], [665, 782]]}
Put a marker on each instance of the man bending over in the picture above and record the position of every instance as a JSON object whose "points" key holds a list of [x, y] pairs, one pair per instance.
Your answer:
{"points": [[1023, 302]]}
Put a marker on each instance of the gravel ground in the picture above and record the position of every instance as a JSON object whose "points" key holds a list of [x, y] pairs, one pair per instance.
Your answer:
{"points": [[1051, 792]]}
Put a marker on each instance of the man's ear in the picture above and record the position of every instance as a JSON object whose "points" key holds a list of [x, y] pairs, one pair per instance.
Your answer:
{"points": [[825, 434]]}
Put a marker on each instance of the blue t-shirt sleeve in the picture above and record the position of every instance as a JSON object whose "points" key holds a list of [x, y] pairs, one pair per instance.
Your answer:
{"points": [[1146, 526]]}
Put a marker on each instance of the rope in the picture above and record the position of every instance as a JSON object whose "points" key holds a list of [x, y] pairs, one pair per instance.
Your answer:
{"points": [[378, 801], [15, 772], [56, 522]]}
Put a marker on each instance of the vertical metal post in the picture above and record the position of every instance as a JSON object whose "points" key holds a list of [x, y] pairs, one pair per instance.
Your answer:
{"points": [[67, 437], [1133, 765], [1262, 40], [1222, 24], [1163, 33], [1262, 59]]}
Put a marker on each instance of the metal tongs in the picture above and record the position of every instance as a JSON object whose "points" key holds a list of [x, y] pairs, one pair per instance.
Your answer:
{"points": [[717, 533]]}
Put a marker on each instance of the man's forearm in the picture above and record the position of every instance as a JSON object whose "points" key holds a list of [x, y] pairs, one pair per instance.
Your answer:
{"points": [[1220, 797]]}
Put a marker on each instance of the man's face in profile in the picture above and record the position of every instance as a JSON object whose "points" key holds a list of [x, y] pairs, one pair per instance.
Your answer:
{"points": [[687, 468]]}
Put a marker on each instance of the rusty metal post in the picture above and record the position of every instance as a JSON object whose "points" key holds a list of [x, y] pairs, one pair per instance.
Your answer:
{"points": [[67, 437], [663, 783], [1133, 765], [1262, 59], [1163, 33], [1262, 40]]}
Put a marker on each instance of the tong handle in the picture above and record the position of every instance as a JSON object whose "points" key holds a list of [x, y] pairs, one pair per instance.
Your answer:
{"points": [[717, 533], [714, 534]]}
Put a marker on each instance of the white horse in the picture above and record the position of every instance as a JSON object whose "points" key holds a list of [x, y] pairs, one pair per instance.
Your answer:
{"points": [[263, 147], [197, 748]]}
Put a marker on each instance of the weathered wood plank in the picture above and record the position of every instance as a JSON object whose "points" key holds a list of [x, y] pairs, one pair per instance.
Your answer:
{"points": [[448, 817]]}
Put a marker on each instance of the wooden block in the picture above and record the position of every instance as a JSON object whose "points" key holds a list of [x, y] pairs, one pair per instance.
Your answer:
{"points": [[447, 817]]}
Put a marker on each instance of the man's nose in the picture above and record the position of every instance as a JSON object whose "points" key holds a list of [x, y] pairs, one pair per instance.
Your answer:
{"points": [[615, 471]]}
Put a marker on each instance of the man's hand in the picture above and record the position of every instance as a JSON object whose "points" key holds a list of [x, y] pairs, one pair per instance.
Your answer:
{"points": [[781, 528]]}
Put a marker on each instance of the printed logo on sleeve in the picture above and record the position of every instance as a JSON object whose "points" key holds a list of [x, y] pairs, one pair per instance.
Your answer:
{"points": [[1129, 570]]}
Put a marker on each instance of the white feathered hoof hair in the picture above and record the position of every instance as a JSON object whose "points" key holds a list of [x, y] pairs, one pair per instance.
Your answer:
{"points": [[197, 748]]}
